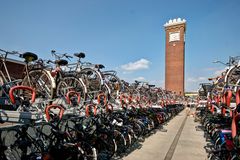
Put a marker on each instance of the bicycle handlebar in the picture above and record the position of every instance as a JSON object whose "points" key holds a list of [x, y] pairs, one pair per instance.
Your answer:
{"points": [[58, 55], [12, 52], [50, 61]]}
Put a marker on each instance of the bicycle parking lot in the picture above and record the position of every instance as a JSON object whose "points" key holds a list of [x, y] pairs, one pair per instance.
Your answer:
{"points": [[87, 113], [79, 113], [119, 80], [83, 112]]}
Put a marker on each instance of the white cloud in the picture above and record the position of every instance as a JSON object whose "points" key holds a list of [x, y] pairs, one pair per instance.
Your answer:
{"points": [[192, 83], [219, 72], [140, 79], [196, 79], [159, 83], [138, 65], [211, 69]]}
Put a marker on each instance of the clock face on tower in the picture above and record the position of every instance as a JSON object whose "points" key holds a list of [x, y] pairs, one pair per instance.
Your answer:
{"points": [[174, 36]]}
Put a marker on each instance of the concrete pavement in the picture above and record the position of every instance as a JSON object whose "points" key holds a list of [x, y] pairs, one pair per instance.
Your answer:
{"points": [[180, 142]]}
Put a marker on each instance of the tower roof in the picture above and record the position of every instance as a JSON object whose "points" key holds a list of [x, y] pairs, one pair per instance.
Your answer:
{"points": [[175, 21]]}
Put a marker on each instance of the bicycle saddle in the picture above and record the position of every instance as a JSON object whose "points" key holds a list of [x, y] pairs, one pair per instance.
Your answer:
{"points": [[61, 62], [113, 80], [80, 55], [99, 66], [151, 85], [29, 56]]}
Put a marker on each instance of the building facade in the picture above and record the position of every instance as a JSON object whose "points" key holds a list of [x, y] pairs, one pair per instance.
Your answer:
{"points": [[175, 55]]}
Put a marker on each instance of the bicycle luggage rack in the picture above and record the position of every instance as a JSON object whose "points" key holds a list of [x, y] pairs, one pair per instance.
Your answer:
{"points": [[19, 117]]}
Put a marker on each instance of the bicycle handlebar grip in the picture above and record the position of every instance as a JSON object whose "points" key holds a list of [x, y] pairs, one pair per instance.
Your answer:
{"points": [[74, 94], [99, 98], [67, 56], [228, 97], [54, 106], [12, 98], [87, 110]]}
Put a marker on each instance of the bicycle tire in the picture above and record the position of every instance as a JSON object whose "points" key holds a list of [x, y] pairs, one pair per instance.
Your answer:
{"points": [[1, 84], [41, 81], [115, 87], [93, 82], [71, 83], [90, 152], [120, 141]]}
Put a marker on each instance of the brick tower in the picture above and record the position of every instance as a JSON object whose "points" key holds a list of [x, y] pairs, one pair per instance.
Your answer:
{"points": [[175, 48]]}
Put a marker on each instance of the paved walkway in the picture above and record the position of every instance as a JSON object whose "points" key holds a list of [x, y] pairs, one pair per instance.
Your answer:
{"points": [[180, 142]]}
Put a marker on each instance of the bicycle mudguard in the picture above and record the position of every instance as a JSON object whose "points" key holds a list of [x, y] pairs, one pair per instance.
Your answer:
{"points": [[73, 93], [12, 97], [54, 106]]}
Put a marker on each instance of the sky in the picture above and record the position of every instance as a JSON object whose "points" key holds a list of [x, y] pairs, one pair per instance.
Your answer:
{"points": [[125, 35]]}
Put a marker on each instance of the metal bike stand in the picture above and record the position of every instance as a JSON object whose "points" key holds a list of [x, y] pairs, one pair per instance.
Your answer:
{"points": [[19, 117]]}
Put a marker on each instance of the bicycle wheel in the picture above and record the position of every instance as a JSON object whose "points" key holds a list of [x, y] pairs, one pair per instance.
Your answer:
{"points": [[68, 83], [41, 81], [128, 138], [107, 91], [106, 149], [23, 149], [120, 141], [12, 154], [91, 78], [93, 81], [137, 129], [232, 76], [1, 84], [114, 84], [89, 152]]}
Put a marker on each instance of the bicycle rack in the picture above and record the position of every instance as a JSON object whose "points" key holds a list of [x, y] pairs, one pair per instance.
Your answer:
{"points": [[19, 117], [16, 116]]}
